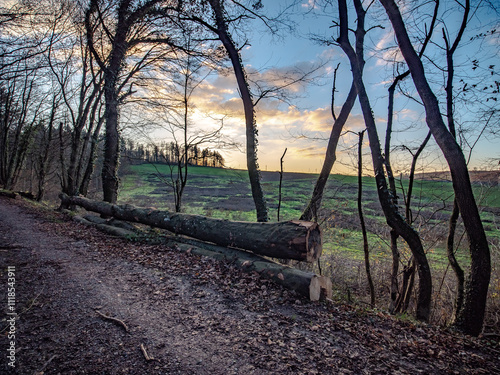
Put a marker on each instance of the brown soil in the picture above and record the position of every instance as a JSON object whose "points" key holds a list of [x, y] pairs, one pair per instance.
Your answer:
{"points": [[191, 314]]}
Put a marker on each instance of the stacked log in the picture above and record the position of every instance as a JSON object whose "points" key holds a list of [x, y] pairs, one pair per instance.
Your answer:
{"points": [[298, 240]]}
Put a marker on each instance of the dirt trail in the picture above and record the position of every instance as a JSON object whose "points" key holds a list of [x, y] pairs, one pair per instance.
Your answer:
{"points": [[191, 314]]}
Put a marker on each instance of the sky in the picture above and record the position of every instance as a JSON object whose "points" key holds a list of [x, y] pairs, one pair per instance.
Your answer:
{"points": [[302, 124]]}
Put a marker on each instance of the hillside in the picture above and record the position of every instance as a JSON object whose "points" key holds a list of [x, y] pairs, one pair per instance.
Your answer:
{"points": [[488, 177]]}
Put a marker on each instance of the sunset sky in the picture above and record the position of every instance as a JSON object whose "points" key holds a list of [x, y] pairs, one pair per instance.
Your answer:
{"points": [[304, 126]]}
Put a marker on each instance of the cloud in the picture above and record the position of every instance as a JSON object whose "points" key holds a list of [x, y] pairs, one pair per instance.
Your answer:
{"points": [[219, 94], [310, 151], [303, 131], [216, 98], [386, 49], [408, 114], [310, 4]]}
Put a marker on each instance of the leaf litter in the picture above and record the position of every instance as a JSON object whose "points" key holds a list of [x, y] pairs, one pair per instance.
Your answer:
{"points": [[188, 314]]}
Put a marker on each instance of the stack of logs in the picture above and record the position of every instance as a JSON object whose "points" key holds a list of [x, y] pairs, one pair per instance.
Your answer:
{"points": [[224, 239]]}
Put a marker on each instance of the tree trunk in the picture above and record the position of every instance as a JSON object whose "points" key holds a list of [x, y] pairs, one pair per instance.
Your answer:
{"points": [[87, 106], [248, 105], [450, 245], [390, 175], [112, 66], [280, 185], [393, 218], [405, 293], [403, 300], [394, 271], [308, 284], [362, 220], [471, 317], [450, 250], [110, 179], [89, 153], [44, 161], [314, 205], [299, 240]]}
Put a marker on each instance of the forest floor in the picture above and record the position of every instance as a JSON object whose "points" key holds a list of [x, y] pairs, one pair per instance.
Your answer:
{"points": [[89, 303]]}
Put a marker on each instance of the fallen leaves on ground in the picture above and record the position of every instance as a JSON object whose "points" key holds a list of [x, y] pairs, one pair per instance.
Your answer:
{"points": [[224, 320]]}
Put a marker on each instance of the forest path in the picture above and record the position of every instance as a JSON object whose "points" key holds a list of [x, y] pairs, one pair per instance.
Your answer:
{"points": [[191, 314]]}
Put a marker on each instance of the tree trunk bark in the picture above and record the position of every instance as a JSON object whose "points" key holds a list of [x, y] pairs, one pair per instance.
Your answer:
{"points": [[44, 163], [366, 249], [89, 167], [471, 317], [299, 240], [314, 205], [394, 271], [450, 245], [248, 105], [450, 250], [110, 180], [406, 288], [112, 68]]}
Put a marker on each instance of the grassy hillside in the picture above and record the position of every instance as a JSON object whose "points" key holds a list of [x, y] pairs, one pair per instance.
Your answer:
{"points": [[225, 193]]}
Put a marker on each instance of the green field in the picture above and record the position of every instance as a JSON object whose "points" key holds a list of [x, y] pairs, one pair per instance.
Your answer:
{"points": [[225, 193]]}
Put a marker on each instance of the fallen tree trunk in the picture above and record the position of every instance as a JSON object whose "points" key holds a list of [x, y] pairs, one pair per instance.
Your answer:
{"points": [[108, 228], [8, 194], [17, 194], [305, 283], [299, 240]]}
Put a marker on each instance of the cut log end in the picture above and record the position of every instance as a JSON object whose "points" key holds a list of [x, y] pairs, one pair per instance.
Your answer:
{"points": [[320, 288]]}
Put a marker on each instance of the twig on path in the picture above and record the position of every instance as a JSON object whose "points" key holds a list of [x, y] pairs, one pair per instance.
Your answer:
{"points": [[42, 370], [32, 303], [121, 322], [143, 350]]}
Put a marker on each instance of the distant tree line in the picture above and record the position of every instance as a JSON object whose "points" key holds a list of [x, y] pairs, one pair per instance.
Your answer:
{"points": [[170, 153]]}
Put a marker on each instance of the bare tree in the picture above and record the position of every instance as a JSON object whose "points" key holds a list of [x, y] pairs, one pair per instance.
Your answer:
{"points": [[55, 54], [80, 84], [221, 29], [391, 178], [400, 300], [450, 244], [124, 27], [45, 159], [21, 102], [393, 217], [189, 80], [22, 91], [227, 17], [171, 105], [471, 316]]}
